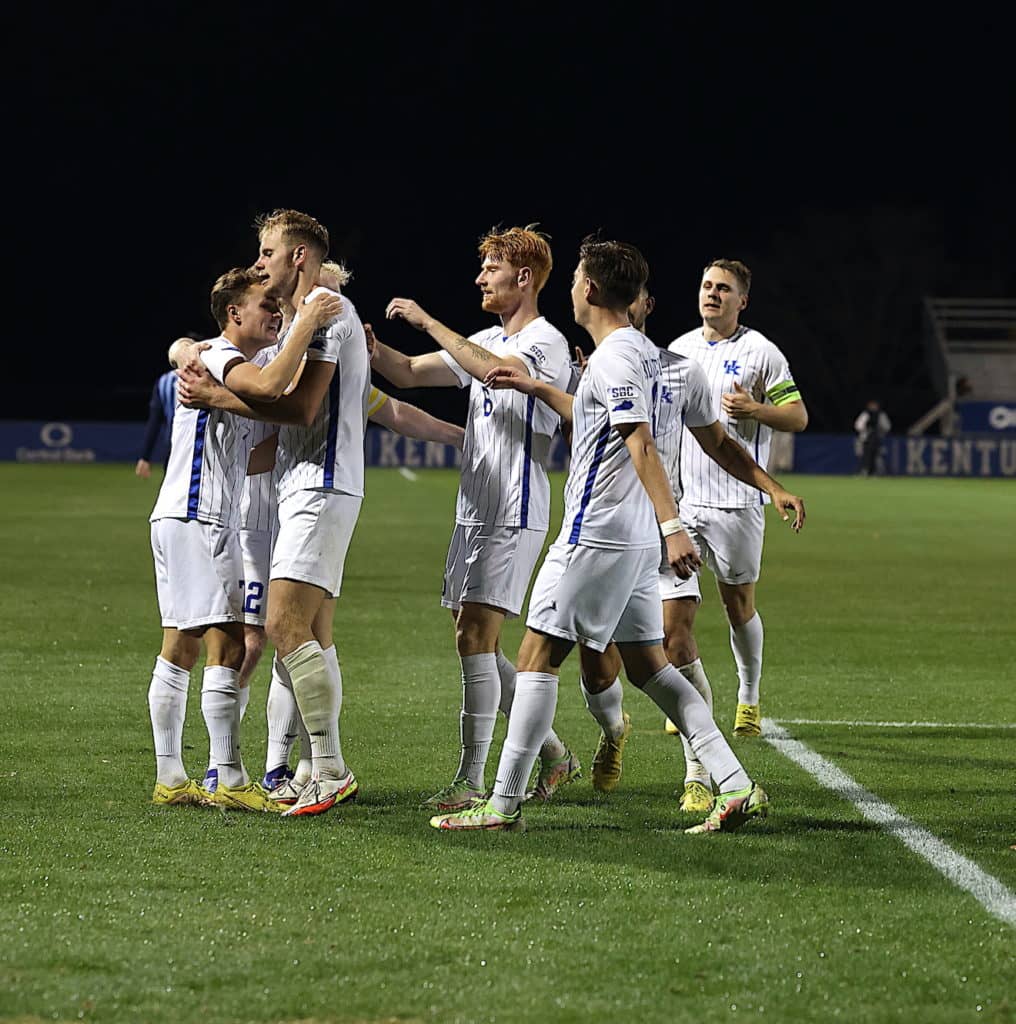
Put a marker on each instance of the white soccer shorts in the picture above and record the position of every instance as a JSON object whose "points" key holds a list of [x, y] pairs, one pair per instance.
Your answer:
{"points": [[597, 595], [314, 531], [730, 543], [256, 546], [198, 568], [490, 565]]}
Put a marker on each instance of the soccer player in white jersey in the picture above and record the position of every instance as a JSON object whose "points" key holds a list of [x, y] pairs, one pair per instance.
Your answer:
{"points": [[320, 491], [198, 566], [685, 403], [755, 392], [503, 505], [284, 723], [598, 583]]}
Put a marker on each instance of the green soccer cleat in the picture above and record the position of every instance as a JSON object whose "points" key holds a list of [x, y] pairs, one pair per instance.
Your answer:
{"points": [[696, 799], [732, 810], [457, 796], [251, 797], [188, 793], [481, 817], [670, 729], [553, 775], [607, 759], [748, 720]]}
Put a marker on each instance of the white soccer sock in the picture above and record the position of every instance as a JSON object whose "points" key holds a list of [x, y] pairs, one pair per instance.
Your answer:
{"points": [[167, 707], [244, 700], [506, 670], [283, 718], [746, 643], [684, 706], [552, 749], [481, 687], [606, 707], [532, 715], [331, 656], [220, 706], [316, 697], [694, 770]]}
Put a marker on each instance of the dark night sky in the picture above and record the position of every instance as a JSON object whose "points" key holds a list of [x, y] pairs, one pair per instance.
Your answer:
{"points": [[827, 150]]}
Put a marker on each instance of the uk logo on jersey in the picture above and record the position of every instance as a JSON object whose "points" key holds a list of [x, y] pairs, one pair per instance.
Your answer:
{"points": [[731, 366], [666, 395]]}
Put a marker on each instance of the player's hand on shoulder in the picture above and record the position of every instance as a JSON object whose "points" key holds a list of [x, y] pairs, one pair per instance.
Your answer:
{"points": [[739, 404], [785, 502], [408, 310], [502, 377], [682, 555], [194, 386], [323, 309], [371, 337]]}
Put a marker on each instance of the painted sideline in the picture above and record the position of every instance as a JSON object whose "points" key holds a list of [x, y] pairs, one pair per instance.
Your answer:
{"points": [[898, 725], [964, 873]]}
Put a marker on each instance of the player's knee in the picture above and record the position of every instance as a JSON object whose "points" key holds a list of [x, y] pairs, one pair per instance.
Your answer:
{"points": [[282, 631], [680, 647], [471, 637], [254, 643]]}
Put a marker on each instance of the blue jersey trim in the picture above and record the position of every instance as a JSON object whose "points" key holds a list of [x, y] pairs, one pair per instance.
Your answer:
{"points": [[194, 493], [587, 493], [333, 427], [527, 462]]}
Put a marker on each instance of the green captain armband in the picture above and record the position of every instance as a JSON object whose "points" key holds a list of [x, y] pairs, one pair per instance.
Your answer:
{"points": [[784, 392]]}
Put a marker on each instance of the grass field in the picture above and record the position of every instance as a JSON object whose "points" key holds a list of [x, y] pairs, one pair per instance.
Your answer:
{"points": [[895, 605]]}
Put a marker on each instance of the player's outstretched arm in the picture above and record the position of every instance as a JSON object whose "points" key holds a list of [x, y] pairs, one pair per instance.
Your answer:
{"points": [[268, 383], [426, 371], [681, 552], [739, 404], [732, 458], [509, 376], [473, 358], [410, 421]]}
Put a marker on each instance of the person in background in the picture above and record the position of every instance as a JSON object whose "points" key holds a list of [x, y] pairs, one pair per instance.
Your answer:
{"points": [[872, 426], [160, 414]]}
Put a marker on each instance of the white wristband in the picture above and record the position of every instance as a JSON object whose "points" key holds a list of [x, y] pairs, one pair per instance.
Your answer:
{"points": [[671, 526]]}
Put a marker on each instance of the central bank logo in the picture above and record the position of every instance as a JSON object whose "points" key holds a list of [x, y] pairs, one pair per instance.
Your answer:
{"points": [[56, 435], [1002, 417]]}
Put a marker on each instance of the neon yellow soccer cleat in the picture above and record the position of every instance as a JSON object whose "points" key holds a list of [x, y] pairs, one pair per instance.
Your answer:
{"points": [[187, 793], [696, 799], [748, 720], [481, 817], [607, 759], [732, 810], [251, 797]]}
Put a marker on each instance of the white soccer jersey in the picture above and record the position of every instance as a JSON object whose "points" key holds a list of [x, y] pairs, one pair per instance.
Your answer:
{"points": [[760, 367], [328, 455], [257, 501], [605, 504], [684, 400], [504, 457], [207, 456]]}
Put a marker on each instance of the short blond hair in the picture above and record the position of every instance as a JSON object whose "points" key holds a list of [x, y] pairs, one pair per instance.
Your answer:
{"points": [[338, 271], [521, 247], [297, 229]]}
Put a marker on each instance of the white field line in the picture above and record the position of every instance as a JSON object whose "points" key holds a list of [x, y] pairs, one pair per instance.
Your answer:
{"points": [[899, 725], [964, 873], [408, 473]]}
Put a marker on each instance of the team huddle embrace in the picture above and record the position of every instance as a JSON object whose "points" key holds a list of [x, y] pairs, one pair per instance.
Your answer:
{"points": [[266, 478]]}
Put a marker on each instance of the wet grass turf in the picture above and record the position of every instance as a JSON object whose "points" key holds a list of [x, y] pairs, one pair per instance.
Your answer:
{"points": [[893, 605]]}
